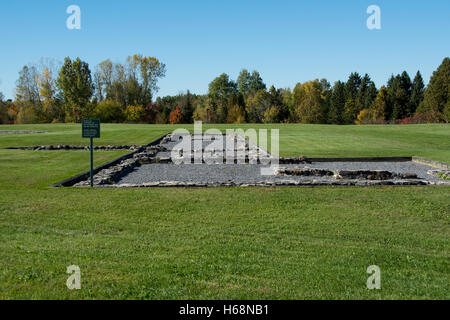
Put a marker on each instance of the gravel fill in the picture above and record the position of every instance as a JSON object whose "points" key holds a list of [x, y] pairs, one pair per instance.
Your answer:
{"points": [[249, 173], [245, 173], [395, 167]]}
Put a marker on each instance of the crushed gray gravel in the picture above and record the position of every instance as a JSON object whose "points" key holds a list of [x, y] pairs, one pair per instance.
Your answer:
{"points": [[245, 173], [154, 167], [396, 167]]}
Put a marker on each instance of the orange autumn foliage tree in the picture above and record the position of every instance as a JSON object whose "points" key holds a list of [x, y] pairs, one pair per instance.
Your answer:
{"points": [[175, 116]]}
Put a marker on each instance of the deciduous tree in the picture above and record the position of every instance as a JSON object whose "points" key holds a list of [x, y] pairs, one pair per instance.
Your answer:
{"points": [[310, 102], [222, 91], [380, 105], [75, 82], [176, 116], [134, 113], [236, 114], [257, 105], [109, 111]]}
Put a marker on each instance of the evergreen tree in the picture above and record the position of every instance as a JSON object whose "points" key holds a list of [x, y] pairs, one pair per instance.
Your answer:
{"points": [[352, 86], [326, 94], [280, 111], [288, 102], [248, 83], [337, 106], [392, 85], [367, 92], [363, 88], [243, 82], [187, 108], [399, 91], [277, 113], [416, 93], [436, 96], [403, 96], [352, 104], [256, 82]]}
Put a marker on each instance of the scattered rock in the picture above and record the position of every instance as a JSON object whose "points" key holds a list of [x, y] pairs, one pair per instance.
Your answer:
{"points": [[68, 147], [300, 176], [303, 172], [299, 160], [363, 174], [442, 174], [111, 175]]}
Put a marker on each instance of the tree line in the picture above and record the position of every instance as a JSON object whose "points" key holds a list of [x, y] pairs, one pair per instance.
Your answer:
{"points": [[117, 92], [114, 92]]}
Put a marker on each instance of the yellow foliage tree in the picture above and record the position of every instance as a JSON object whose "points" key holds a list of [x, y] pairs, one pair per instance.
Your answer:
{"points": [[364, 117], [271, 115], [134, 113], [310, 103], [236, 114]]}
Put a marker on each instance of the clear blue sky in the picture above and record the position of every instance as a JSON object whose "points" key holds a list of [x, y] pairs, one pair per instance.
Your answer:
{"points": [[286, 41]]}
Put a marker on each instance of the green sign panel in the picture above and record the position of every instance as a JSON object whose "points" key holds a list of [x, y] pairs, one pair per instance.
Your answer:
{"points": [[91, 128]]}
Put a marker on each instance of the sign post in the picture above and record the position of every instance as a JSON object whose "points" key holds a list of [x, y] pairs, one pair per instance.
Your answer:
{"points": [[91, 130]]}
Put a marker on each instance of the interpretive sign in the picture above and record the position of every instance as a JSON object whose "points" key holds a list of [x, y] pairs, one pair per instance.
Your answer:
{"points": [[90, 128]]}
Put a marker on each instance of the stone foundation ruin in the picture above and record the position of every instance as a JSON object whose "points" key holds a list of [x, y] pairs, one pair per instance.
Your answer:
{"points": [[203, 164]]}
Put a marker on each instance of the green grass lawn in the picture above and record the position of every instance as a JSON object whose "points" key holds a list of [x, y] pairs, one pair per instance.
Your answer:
{"points": [[224, 243], [429, 141]]}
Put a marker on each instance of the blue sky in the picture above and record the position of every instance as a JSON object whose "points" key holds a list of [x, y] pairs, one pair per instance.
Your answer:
{"points": [[286, 41]]}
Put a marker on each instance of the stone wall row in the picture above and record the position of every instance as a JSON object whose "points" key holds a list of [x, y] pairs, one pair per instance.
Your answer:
{"points": [[166, 184]]}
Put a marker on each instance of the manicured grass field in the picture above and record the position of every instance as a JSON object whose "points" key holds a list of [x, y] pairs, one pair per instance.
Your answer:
{"points": [[429, 141], [227, 243]]}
